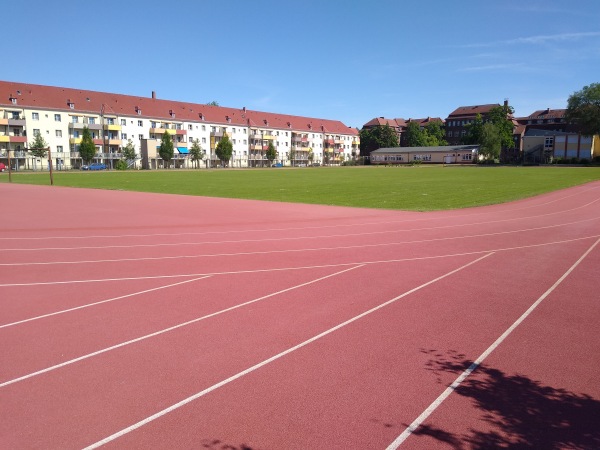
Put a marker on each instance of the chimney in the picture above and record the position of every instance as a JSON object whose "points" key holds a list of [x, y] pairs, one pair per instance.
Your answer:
{"points": [[154, 94], [505, 102]]}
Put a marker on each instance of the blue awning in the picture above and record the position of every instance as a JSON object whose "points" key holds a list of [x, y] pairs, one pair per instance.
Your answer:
{"points": [[183, 150]]}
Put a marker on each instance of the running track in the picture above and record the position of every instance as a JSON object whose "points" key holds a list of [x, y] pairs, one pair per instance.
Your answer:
{"points": [[132, 320]]}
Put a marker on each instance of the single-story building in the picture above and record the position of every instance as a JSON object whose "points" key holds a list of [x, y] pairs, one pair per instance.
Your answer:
{"points": [[447, 154], [542, 146]]}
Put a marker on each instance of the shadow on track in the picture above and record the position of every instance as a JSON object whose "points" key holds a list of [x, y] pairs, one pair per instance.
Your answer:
{"points": [[522, 413]]}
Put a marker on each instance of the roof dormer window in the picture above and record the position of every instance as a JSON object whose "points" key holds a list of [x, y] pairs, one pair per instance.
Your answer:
{"points": [[71, 104], [228, 119], [172, 113]]}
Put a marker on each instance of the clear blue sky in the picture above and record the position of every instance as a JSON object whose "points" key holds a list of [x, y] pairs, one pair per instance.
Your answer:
{"points": [[344, 60]]}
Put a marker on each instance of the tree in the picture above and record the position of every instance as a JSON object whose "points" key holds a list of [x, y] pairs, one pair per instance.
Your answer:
{"points": [[38, 147], [434, 134], [414, 136], [491, 141], [271, 153], [87, 149], [500, 116], [166, 149], [224, 149], [311, 155], [583, 109], [128, 151], [196, 152], [292, 155], [213, 103], [377, 137], [474, 131]]}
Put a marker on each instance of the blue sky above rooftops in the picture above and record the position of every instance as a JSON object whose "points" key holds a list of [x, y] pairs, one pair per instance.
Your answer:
{"points": [[337, 59]]}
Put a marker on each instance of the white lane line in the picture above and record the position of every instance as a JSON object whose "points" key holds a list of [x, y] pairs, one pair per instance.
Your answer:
{"points": [[273, 358], [76, 308], [175, 327], [187, 244], [450, 389], [300, 250], [355, 224], [283, 269]]}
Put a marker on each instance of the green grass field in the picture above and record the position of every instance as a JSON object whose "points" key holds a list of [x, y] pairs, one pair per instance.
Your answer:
{"points": [[421, 188]]}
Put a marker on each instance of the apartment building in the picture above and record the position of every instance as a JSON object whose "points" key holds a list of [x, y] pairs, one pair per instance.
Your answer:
{"points": [[59, 115]]}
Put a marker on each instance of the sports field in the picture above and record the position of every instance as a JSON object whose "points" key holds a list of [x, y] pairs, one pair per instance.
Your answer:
{"points": [[143, 320], [423, 188]]}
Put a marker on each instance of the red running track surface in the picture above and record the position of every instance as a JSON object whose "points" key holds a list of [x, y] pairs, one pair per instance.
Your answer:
{"points": [[132, 320]]}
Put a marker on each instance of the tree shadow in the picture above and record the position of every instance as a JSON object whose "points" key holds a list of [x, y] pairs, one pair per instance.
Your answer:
{"points": [[217, 444], [522, 413]]}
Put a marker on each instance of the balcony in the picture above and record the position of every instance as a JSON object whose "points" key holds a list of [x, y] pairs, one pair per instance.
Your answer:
{"points": [[4, 138], [256, 136], [162, 130], [81, 126], [18, 139], [181, 132], [77, 140], [218, 133], [4, 121], [268, 137], [16, 122], [256, 147], [112, 127]]}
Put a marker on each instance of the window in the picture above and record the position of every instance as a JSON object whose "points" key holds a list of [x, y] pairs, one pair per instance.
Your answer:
{"points": [[92, 120], [233, 140], [57, 117], [75, 134], [245, 142], [13, 101], [191, 139], [140, 123], [204, 140], [59, 133], [35, 116], [36, 131], [467, 157], [110, 121], [59, 148], [123, 122], [549, 142], [124, 136], [72, 105], [190, 127], [153, 125], [178, 126], [140, 136]]}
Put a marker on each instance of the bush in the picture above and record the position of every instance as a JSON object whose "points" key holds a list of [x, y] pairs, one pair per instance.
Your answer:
{"points": [[415, 162], [121, 165], [584, 161]]}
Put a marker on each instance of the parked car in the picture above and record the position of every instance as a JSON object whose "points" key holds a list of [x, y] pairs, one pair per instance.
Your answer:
{"points": [[3, 167], [277, 165], [94, 166]]}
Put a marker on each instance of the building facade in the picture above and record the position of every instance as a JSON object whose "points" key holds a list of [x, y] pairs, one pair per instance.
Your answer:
{"points": [[448, 154], [59, 115]]}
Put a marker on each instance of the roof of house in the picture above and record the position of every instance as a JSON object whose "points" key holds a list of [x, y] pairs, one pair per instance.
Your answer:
{"points": [[435, 149], [548, 114], [399, 122], [472, 111], [91, 102]]}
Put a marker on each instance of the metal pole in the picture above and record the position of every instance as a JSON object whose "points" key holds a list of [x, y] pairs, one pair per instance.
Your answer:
{"points": [[50, 166], [9, 164]]}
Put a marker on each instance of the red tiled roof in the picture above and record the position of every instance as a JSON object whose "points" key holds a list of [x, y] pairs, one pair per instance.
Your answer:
{"points": [[548, 114], [380, 121], [91, 102], [472, 110]]}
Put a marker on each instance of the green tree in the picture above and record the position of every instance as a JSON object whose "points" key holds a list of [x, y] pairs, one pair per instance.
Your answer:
{"points": [[414, 135], [292, 155], [271, 153], [213, 103], [500, 116], [87, 149], [583, 109], [128, 151], [196, 152], [474, 131], [434, 134], [311, 155], [166, 149], [38, 147], [491, 141], [224, 149], [377, 137]]}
